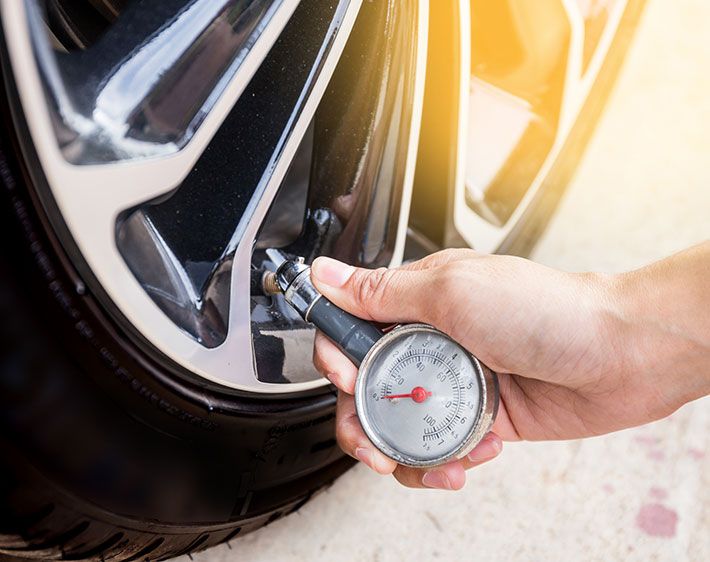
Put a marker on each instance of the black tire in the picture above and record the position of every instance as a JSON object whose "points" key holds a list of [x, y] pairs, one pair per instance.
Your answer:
{"points": [[102, 454]]}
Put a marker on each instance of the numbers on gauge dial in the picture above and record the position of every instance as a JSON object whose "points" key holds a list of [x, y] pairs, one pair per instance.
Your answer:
{"points": [[423, 399]]}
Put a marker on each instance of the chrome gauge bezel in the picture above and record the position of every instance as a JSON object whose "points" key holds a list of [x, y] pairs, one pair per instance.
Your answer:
{"points": [[487, 409]]}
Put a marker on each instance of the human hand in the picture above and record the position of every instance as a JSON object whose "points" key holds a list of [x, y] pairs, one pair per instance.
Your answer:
{"points": [[557, 340]]}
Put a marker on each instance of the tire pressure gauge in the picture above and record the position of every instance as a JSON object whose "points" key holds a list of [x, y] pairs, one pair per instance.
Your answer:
{"points": [[421, 398]]}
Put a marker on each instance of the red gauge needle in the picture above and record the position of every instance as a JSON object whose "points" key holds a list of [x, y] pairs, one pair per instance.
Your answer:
{"points": [[418, 394]]}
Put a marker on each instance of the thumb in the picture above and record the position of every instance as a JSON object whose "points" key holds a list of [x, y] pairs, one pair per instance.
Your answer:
{"points": [[382, 295]]}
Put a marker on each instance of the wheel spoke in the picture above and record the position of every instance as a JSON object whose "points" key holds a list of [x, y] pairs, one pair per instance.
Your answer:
{"points": [[147, 84], [530, 72]]}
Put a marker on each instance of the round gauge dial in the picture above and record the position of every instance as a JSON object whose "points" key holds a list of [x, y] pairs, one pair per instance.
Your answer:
{"points": [[423, 399]]}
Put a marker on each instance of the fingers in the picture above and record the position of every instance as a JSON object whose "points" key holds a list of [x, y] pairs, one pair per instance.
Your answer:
{"points": [[451, 476], [383, 295], [488, 449], [353, 441]]}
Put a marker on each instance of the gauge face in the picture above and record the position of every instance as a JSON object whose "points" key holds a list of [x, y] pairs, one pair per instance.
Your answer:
{"points": [[419, 396]]}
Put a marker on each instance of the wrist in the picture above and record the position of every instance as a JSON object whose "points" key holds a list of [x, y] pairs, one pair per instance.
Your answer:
{"points": [[655, 352]]}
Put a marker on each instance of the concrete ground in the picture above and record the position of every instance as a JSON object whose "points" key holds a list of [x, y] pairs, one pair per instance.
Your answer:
{"points": [[642, 494]]}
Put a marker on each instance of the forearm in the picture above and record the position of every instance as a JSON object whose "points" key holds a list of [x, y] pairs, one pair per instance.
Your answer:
{"points": [[664, 325]]}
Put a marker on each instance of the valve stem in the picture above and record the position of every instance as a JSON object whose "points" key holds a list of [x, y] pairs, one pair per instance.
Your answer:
{"points": [[270, 284]]}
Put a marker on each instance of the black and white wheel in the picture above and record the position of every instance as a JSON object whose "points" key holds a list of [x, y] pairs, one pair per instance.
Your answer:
{"points": [[153, 401]]}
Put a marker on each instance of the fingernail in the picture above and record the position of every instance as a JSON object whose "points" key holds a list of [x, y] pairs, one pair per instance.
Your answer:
{"points": [[363, 454], [436, 479], [331, 272], [488, 448]]}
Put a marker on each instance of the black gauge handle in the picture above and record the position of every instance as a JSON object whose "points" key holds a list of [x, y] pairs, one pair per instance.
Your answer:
{"points": [[354, 336]]}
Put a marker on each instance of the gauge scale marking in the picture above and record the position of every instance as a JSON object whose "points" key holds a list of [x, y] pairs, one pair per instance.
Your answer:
{"points": [[450, 387], [422, 399]]}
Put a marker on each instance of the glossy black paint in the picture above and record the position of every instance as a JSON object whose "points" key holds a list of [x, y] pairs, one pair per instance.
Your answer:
{"points": [[361, 130], [229, 176], [78, 24], [146, 84], [213, 198]]}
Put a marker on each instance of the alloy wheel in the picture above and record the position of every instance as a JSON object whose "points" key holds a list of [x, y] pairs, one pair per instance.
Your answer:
{"points": [[177, 143]]}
